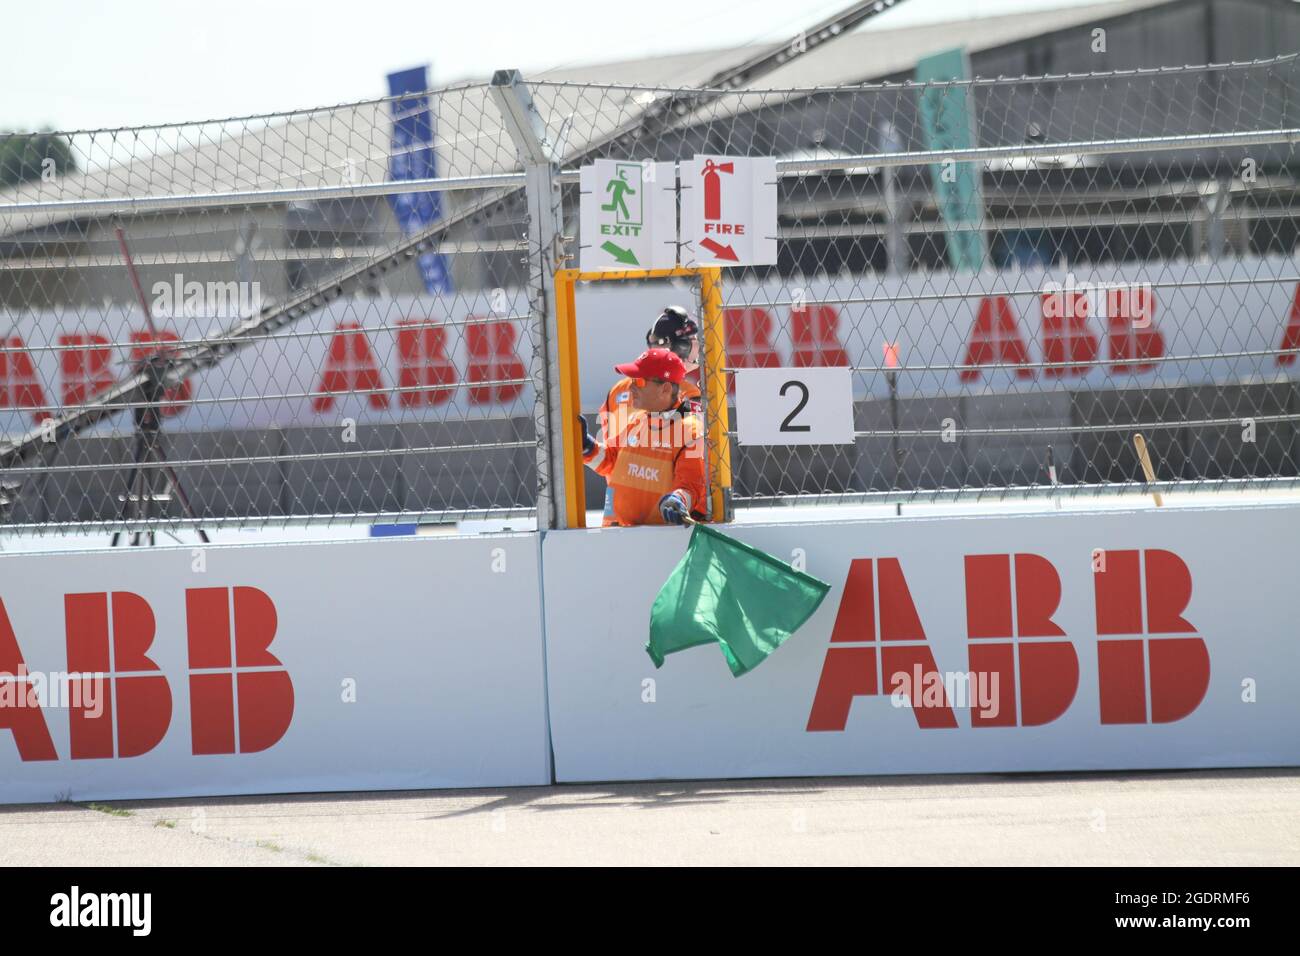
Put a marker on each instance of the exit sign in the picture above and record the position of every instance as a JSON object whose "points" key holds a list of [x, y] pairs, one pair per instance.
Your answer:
{"points": [[628, 215]]}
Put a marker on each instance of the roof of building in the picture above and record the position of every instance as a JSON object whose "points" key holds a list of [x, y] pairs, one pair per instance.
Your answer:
{"points": [[351, 143]]}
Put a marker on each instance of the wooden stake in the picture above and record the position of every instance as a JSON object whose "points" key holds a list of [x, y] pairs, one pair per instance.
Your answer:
{"points": [[1145, 458]]}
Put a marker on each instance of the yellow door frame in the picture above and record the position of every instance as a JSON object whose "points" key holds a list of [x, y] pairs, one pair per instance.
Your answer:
{"points": [[715, 390]]}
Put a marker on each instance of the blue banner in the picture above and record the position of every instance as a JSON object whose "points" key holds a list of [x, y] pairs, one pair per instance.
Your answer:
{"points": [[413, 157]]}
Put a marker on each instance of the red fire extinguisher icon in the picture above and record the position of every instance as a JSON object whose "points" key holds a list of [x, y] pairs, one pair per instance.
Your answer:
{"points": [[713, 187]]}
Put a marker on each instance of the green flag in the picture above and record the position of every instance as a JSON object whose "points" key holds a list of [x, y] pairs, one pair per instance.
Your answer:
{"points": [[725, 591]]}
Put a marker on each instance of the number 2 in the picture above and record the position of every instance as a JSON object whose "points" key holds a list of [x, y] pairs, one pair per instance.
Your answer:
{"points": [[785, 424]]}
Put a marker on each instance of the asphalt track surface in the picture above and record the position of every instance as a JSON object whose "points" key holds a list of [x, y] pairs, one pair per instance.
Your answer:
{"points": [[1178, 818]]}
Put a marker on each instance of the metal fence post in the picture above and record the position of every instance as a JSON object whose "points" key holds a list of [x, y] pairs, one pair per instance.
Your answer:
{"points": [[541, 162]]}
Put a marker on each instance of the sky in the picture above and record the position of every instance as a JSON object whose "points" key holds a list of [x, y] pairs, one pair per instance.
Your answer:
{"points": [[86, 64]]}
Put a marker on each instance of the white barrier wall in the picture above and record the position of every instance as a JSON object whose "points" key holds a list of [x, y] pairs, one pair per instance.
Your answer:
{"points": [[394, 664], [1155, 639]]}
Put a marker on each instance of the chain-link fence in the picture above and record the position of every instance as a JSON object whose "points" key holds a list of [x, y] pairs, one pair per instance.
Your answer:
{"points": [[344, 312], [1116, 256], [323, 355]]}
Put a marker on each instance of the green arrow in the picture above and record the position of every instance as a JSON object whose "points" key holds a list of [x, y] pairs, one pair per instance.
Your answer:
{"points": [[625, 256]]}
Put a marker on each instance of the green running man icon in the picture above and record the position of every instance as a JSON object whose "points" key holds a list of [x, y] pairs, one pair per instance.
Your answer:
{"points": [[619, 187]]}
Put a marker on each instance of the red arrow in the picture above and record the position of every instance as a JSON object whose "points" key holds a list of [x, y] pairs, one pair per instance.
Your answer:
{"points": [[720, 251]]}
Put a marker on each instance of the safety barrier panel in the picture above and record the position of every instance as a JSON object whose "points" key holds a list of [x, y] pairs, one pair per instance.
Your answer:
{"points": [[1070, 641], [402, 664]]}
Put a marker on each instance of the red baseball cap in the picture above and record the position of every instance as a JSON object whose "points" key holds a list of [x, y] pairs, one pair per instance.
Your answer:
{"points": [[655, 363]]}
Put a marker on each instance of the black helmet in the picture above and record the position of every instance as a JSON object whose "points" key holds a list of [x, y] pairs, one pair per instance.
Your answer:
{"points": [[673, 330]]}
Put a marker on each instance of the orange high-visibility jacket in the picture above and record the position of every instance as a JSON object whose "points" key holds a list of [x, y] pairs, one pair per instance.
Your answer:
{"points": [[617, 412], [658, 453]]}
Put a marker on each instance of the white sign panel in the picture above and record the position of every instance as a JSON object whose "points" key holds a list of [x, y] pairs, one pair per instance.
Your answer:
{"points": [[370, 359], [1142, 640], [628, 215], [1120, 333], [794, 406], [394, 664], [729, 211]]}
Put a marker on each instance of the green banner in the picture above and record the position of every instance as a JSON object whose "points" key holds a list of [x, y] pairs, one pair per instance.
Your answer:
{"points": [[946, 118]]}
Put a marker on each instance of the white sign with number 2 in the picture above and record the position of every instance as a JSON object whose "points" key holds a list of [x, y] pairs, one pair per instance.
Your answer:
{"points": [[794, 406]]}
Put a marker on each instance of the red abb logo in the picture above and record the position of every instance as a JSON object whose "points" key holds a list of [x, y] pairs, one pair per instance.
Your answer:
{"points": [[145, 345], [241, 697], [1066, 336], [1290, 332], [1130, 329], [350, 366], [814, 332], [110, 634], [1069, 344], [995, 339], [1148, 671], [863, 669], [426, 375], [1145, 672], [492, 359], [1009, 608], [86, 363], [20, 387], [86, 367], [230, 633]]}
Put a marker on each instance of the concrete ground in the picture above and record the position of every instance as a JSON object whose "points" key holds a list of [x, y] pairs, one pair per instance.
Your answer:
{"points": [[1188, 818]]}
